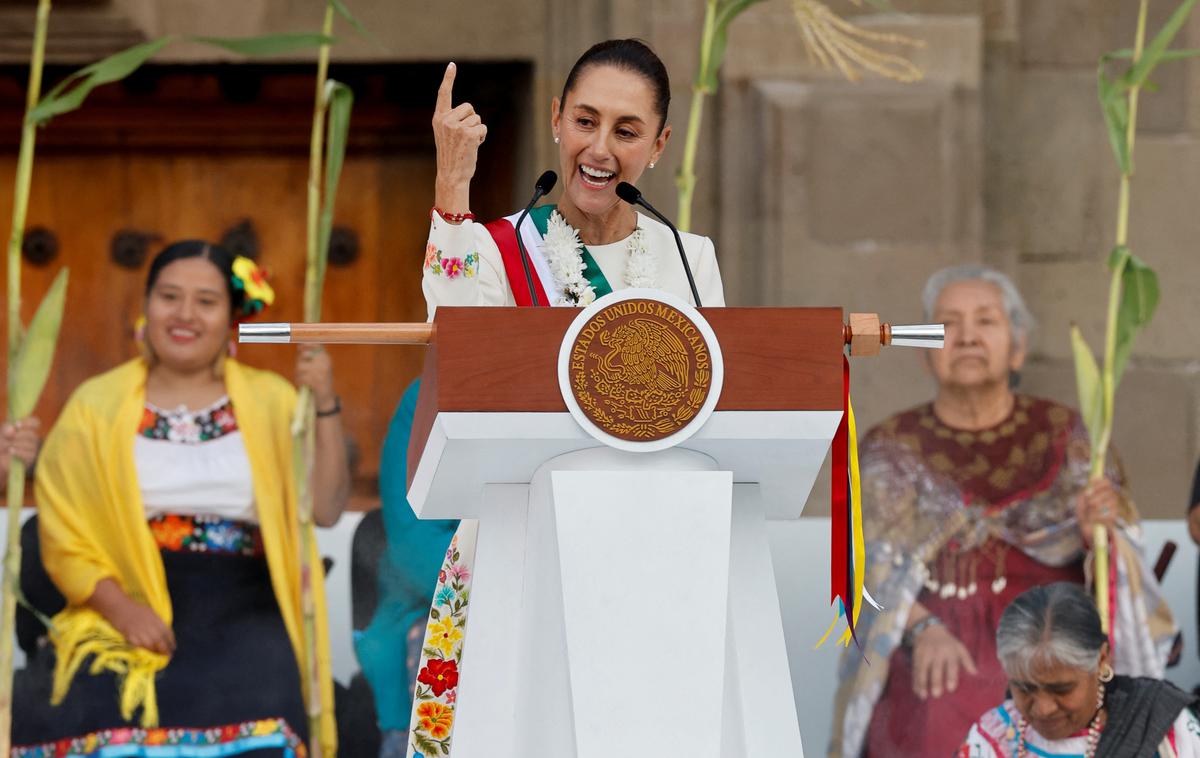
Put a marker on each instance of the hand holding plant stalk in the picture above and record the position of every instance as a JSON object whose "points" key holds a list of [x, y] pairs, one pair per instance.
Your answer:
{"points": [[1133, 292]]}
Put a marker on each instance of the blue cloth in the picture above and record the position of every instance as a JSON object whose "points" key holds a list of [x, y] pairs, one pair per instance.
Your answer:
{"points": [[408, 574]]}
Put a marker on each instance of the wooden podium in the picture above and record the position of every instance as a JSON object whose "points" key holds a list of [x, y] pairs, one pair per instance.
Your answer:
{"points": [[622, 602]]}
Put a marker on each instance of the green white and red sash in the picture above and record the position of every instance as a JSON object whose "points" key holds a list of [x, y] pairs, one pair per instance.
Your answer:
{"points": [[533, 229]]}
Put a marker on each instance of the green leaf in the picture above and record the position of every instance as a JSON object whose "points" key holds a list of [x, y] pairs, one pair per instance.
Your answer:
{"points": [[268, 44], [1169, 55], [424, 744], [1157, 47], [1118, 257], [36, 352], [1087, 383], [339, 99], [1139, 299], [727, 11], [345, 13], [1115, 108], [434, 614], [70, 93]]}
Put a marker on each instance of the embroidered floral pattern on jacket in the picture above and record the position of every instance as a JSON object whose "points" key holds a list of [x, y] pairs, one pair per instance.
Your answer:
{"points": [[441, 657], [130, 742], [188, 427], [206, 534], [451, 268]]}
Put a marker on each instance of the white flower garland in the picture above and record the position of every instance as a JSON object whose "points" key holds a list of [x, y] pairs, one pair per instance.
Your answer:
{"points": [[564, 254]]}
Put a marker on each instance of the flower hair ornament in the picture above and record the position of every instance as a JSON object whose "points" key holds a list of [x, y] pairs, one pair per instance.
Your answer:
{"points": [[252, 281]]}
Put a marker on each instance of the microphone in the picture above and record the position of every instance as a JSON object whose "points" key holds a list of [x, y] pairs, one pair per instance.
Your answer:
{"points": [[544, 184], [633, 196]]}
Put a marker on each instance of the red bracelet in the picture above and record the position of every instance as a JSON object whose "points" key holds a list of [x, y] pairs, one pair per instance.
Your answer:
{"points": [[454, 218]]}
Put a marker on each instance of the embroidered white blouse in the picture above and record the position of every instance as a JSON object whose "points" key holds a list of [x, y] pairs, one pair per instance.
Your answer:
{"points": [[188, 469], [476, 274]]}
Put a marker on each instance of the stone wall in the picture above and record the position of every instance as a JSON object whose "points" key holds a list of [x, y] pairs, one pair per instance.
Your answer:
{"points": [[824, 192]]}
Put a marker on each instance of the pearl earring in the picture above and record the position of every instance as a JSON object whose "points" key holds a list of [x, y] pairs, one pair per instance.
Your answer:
{"points": [[556, 139], [651, 164]]}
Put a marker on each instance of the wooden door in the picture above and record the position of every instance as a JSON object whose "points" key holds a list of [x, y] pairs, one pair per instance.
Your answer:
{"points": [[204, 152]]}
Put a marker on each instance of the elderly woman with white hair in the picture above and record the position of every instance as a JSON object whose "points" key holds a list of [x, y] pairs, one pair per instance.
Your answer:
{"points": [[1066, 699], [968, 501]]}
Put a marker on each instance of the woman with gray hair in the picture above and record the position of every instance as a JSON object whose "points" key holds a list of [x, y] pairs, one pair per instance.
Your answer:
{"points": [[968, 501], [1066, 700]]}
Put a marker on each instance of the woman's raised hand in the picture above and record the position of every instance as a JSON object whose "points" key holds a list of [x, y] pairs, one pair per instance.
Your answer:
{"points": [[458, 131]]}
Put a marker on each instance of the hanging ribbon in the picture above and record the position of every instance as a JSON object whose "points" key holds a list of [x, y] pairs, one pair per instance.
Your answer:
{"points": [[847, 568]]}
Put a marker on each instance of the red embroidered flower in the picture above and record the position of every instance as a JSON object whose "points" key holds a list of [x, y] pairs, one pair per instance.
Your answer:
{"points": [[442, 576], [452, 266], [225, 420], [439, 675]]}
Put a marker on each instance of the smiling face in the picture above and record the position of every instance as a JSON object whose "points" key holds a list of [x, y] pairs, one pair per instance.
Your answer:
{"points": [[1057, 700], [188, 315], [608, 133], [980, 348]]}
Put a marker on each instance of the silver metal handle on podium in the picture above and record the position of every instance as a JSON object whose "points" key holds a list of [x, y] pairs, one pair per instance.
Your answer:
{"points": [[272, 333], [918, 335]]}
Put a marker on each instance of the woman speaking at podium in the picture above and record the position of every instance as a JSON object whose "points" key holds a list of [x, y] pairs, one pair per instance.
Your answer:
{"points": [[610, 125]]}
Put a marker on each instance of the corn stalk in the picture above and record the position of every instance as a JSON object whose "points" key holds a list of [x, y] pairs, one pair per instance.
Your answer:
{"points": [[1133, 291], [830, 41], [29, 357], [333, 103]]}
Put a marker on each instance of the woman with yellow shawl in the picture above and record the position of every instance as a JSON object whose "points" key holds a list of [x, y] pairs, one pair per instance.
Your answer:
{"points": [[168, 520]]}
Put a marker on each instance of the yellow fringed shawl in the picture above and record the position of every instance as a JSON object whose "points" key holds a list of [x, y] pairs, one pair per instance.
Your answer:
{"points": [[92, 526]]}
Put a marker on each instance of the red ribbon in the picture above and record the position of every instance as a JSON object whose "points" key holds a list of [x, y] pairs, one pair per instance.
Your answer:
{"points": [[839, 548]]}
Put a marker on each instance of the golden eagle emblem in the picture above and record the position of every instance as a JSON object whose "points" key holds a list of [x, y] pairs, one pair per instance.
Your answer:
{"points": [[640, 369], [645, 354]]}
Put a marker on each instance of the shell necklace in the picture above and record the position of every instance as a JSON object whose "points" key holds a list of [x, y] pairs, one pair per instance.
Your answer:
{"points": [[564, 254]]}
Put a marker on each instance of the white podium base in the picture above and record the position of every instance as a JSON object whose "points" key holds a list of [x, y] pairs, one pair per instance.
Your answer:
{"points": [[622, 604]]}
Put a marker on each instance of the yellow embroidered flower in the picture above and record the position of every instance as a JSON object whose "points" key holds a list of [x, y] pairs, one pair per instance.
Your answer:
{"points": [[436, 719], [248, 277], [443, 634]]}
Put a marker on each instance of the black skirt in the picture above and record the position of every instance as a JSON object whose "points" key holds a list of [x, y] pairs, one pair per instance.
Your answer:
{"points": [[233, 681]]}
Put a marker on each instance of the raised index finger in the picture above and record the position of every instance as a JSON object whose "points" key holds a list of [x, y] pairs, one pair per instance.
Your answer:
{"points": [[446, 89]]}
